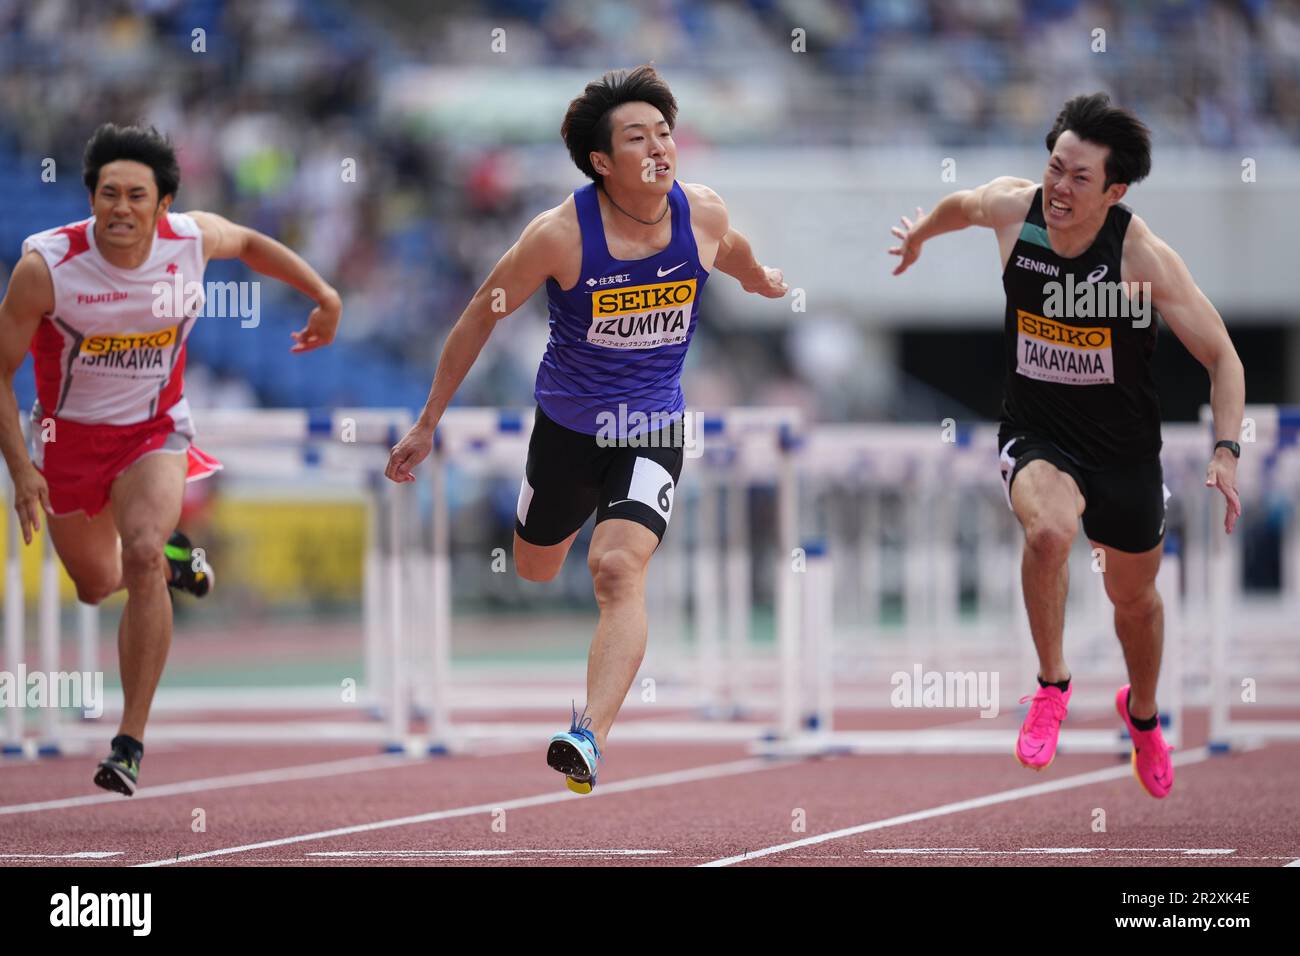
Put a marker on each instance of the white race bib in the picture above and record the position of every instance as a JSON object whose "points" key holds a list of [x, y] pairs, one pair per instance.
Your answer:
{"points": [[1051, 351], [643, 316]]}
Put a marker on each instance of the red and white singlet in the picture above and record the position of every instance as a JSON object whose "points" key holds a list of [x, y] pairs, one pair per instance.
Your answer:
{"points": [[110, 359]]}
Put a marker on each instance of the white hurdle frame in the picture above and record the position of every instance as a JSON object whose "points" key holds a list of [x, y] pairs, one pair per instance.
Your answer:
{"points": [[408, 662], [1272, 458], [270, 443], [753, 437], [833, 448], [14, 730], [14, 742]]}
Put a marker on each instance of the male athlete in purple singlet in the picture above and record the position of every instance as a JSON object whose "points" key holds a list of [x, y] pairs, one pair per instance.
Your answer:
{"points": [[624, 260]]}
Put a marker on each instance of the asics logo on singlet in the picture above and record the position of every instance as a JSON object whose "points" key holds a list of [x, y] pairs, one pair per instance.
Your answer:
{"points": [[1097, 274], [1033, 265]]}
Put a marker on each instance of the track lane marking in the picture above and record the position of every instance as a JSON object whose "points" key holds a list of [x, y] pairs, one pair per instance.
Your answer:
{"points": [[312, 771], [671, 778], [1005, 796]]}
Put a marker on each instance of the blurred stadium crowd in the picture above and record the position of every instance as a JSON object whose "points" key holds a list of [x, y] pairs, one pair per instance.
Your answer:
{"points": [[281, 89]]}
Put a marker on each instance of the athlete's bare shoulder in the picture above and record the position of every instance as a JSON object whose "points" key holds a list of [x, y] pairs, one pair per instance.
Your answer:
{"points": [[550, 245], [1139, 234], [708, 211], [28, 298], [1000, 202], [552, 233], [557, 225], [221, 239], [1012, 184], [31, 285], [1146, 257]]}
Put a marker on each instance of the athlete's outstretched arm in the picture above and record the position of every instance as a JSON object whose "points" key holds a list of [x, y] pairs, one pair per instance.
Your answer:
{"points": [[997, 203], [223, 239], [518, 274], [1198, 325], [29, 297], [735, 256]]}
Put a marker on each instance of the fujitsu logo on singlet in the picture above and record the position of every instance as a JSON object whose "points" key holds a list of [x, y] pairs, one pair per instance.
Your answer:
{"points": [[643, 316], [100, 298]]}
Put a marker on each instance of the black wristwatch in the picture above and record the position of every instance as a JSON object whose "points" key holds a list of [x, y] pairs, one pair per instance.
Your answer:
{"points": [[1232, 446]]}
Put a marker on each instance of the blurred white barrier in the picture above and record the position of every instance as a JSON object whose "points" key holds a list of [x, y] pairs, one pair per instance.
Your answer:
{"points": [[886, 550], [349, 445]]}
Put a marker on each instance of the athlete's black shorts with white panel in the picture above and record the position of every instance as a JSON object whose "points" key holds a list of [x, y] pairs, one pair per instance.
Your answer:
{"points": [[1125, 504], [1079, 391], [571, 474]]}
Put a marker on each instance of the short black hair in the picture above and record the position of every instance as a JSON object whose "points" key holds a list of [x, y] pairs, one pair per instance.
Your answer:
{"points": [[1092, 118], [110, 143], [586, 127]]}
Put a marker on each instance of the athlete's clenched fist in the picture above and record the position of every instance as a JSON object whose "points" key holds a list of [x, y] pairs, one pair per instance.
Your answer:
{"points": [[414, 447]]}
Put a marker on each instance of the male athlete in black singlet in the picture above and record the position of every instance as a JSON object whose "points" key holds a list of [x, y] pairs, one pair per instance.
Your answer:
{"points": [[1080, 434]]}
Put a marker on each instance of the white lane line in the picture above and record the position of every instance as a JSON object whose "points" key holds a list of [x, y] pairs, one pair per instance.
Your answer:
{"points": [[1164, 851], [276, 775], [685, 859], [709, 772], [423, 854], [82, 855], [305, 772], [992, 799]]}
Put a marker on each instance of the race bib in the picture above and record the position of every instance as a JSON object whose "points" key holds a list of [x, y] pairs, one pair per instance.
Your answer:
{"points": [[643, 316], [1068, 354], [651, 485], [131, 355]]}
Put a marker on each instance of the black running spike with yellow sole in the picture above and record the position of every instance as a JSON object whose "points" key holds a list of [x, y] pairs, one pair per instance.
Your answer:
{"points": [[568, 760]]}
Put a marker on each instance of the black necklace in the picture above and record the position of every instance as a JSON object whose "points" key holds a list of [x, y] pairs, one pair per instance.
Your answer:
{"points": [[644, 222]]}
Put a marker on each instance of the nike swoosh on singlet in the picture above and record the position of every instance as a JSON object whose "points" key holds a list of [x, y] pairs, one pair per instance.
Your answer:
{"points": [[664, 272]]}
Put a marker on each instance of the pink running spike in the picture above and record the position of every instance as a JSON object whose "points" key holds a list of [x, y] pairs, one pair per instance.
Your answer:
{"points": [[1036, 745], [1151, 763]]}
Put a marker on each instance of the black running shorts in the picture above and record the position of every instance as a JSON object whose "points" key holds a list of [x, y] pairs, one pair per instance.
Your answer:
{"points": [[1124, 504], [571, 474]]}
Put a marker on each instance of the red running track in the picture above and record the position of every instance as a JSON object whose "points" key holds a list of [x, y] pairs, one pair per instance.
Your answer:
{"points": [[655, 805]]}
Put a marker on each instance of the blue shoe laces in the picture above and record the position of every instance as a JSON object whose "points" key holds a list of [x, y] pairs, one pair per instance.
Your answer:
{"points": [[581, 727]]}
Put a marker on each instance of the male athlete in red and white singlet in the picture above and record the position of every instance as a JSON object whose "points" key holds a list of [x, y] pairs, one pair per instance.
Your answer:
{"points": [[105, 306]]}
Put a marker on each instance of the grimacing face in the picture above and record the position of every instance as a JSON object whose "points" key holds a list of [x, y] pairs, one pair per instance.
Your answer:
{"points": [[1074, 181], [643, 156], [125, 204]]}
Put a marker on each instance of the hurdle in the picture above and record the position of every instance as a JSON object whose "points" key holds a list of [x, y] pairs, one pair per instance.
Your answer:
{"points": [[736, 443], [1270, 465], [930, 469], [350, 447], [15, 742]]}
